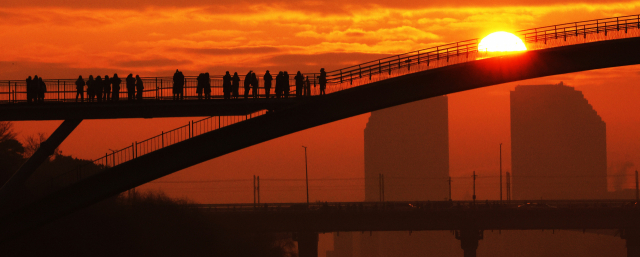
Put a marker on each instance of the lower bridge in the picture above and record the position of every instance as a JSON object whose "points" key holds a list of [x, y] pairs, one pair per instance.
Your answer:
{"points": [[467, 218]]}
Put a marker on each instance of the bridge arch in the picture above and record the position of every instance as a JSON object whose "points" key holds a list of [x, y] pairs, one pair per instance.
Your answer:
{"points": [[321, 110]]}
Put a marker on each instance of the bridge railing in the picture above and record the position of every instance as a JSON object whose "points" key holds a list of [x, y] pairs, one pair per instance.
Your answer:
{"points": [[136, 149], [463, 51], [155, 88], [418, 205], [159, 88], [581, 32]]}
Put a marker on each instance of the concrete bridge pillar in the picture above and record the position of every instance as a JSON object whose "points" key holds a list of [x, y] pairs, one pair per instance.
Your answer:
{"points": [[633, 241], [307, 244], [469, 241]]}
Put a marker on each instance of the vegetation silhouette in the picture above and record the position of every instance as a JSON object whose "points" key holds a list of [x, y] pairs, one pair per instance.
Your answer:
{"points": [[137, 224]]}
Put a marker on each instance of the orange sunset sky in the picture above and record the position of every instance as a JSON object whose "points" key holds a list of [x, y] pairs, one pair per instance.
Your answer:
{"points": [[67, 38]]}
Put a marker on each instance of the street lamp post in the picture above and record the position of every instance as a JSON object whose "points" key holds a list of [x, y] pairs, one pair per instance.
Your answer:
{"points": [[306, 172], [500, 172]]}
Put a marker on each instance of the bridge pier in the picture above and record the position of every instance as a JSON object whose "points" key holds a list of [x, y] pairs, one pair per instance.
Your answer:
{"points": [[307, 244], [632, 236], [469, 241]]}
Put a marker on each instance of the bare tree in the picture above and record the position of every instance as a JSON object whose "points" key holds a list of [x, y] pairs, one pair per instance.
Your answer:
{"points": [[32, 143], [6, 131]]}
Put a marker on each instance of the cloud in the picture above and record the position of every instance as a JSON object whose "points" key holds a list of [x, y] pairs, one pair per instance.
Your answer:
{"points": [[156, 62], [230, 51], [351, 34]]}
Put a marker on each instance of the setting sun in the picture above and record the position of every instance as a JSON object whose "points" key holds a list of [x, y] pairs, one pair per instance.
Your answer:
{"points": [[501, 42]]}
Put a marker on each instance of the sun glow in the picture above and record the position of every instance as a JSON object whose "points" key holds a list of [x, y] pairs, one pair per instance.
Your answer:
{"points": [[501, 42]]}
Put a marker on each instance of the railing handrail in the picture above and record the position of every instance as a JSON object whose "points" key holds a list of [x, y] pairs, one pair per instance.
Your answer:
{"points": [[578, 22]]}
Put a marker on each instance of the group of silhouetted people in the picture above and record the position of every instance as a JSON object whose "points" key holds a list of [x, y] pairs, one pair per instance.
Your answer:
{"points": [[35, 89], [108, 89], [105, 89]]}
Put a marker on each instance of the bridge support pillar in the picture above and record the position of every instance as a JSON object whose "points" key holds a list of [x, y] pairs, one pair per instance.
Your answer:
{"points": [[307, 244], [632, 236], [47, 148], [469, 241]]}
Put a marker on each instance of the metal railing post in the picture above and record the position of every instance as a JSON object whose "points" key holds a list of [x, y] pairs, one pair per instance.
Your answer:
{"points": [[58, 90], [162, 136], [190, 129], [418, 57], [555, 30], [447, 54], [156, 88]]}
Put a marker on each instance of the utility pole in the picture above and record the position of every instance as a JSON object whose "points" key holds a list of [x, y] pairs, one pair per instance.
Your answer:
{"points": [[508, 186], [474, 186], [500, 172], [637, 189], [380, 186], [383, 187], [306, 172], [449, 188]]}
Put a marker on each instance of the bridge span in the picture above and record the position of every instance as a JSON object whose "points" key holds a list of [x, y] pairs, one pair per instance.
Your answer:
{"points": [[466, 218], [398, 79]]}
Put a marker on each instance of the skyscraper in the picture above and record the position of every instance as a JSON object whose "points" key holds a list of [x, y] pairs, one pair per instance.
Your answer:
{"points": [[409, 145], [558, 144]]}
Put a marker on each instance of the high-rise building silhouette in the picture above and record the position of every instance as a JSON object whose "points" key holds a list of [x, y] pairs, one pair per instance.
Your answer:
{"points": [[558, 144], [409, 145]]}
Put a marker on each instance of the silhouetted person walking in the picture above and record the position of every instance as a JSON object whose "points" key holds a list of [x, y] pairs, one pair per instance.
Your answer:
{"points": [[80, 89], [178, 85], [235, 84], [285, 85], [91, 92], [254, 85], [107, 88], [200, 85], [322, 79], [115, 81], [267, 83], [299, 84], [42, 88], [307, 87], [29, 86], [247, 84], [32, 91], [131, 87], [207, 86], [139, 88], [226, 85], [98, 84]]}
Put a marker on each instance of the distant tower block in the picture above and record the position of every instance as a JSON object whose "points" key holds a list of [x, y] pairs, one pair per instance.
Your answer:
{"points": [[558, 144], [409, 146]]}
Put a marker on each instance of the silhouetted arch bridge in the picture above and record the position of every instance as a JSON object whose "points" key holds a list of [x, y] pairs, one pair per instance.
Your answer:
{"points": [[236, 124]]}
